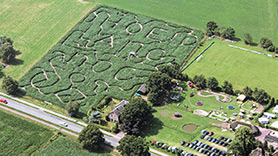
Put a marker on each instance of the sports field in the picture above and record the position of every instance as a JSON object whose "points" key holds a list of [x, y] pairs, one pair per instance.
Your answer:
{"points": [[109, 52], [241, 68], [35, 26], [20, 137], [257, 17]]}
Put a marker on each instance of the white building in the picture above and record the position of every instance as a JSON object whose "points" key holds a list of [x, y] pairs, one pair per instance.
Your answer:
{"points": [[270, 115]]}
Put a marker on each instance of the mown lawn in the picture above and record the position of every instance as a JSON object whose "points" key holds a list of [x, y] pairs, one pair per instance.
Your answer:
{"points": [[63, 146], [239, 67], [257, 17], [20, 137], [35, 26]]}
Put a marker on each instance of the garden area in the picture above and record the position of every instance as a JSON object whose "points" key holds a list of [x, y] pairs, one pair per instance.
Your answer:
{"points": [[20, 137], [110, 52]]}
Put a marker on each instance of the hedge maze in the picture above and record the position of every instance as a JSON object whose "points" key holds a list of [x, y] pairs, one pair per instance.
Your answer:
{"points": [[109, 52]]}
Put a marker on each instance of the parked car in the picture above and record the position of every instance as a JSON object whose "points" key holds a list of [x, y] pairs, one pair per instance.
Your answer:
{"points": [[194, 147], [180, 151], [206, 137], [221, 138], [199, 143], [198, 148], [217, 141], [183, 142], [187, 144], [211, 133], [202, 136], [210, 138], [183, 153], [229, 140], [153, 142], [190, 145], [169, 148], [163, 146], [3, 101], [195, 142], [174, 149]]}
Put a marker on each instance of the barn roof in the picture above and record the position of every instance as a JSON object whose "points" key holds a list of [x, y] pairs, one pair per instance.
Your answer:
{"points": [[119, 107]]}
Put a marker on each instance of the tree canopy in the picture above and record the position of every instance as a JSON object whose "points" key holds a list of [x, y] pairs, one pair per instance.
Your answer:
{"points": [[213, 83], [229, 33], [247, 92], [200, 81], [173, 70], [7, 52], [91, 137], [211, 27], [248, 39], [133, 146], [135, 115], [158, 84], [265, 42], [227, 88], [10, 85], [261, 96], [95, 116], [244, 142], [72, 107]]}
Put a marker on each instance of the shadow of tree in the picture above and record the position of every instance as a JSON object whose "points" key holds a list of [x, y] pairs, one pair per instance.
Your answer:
{"points": [[16, 61], [152, 128]]}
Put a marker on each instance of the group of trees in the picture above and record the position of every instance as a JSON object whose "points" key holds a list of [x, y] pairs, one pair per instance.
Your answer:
{"points": [[92, 139], [213, 29], [7, 52], [159, 83], [268, 45], [259, 95]]}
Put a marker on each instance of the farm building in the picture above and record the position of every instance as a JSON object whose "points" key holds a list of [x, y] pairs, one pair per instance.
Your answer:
{"points": [[114, 115], [142, 90], [275, 110], [269, 115], [241, 98]]}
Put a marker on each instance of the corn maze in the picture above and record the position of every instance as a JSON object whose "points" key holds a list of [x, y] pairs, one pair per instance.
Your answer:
{"points": [[109, 52]]}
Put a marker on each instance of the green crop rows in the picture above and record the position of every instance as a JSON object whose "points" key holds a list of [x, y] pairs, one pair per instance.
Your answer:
{"points": [[20, 137], [109, 52]]}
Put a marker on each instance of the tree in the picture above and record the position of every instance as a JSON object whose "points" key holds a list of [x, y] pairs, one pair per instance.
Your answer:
{"points": [[133, 146], [135, 115], [10, 85], [248, 39], [265, 145], [173, 70], [212, 83], [229, 33], [272, 103], [200, 81], [271, 149], [244, 142], [7, 52], [72, 107], [265, 42], [91, 137], [211, 26], [261, 96], [227, 88], [158, 84], [247, 92], [95, 116], [271, 48]]}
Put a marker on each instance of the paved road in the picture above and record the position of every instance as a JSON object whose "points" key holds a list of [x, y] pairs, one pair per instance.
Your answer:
{"points": [[52, 119], [41, 113]]}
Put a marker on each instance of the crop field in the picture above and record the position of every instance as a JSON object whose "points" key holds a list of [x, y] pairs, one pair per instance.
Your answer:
{"points": [[35, 26], [257, 17], [63, 146], [239, 67], [109, 52], [20, 137]]}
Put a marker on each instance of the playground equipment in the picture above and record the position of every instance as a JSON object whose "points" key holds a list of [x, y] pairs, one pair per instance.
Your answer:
{"points": [[199, 103], [231, 107], [132, 53], [190, 84]]}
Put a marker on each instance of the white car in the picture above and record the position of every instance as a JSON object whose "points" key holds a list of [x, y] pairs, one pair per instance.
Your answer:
{"points": [[62, 123]]}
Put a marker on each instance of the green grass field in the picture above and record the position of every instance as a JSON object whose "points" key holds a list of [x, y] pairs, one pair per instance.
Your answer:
{"points": [[63, 146], [20, 137], [239, 67], [94, 60], [257, 17], [35, 26]]}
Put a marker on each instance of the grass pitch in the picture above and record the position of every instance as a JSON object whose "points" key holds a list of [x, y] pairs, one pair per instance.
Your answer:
{"points": [[257, 17], [20, 137], [241, 68], [109, 52], [35, 26]]}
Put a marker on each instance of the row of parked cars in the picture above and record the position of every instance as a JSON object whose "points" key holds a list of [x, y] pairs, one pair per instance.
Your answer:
{"points": [[204, 148], [172, 149], [221, 141]]}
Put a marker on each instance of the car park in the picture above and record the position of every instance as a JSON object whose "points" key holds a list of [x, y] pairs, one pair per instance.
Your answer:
{"points": [[3, 101]]}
